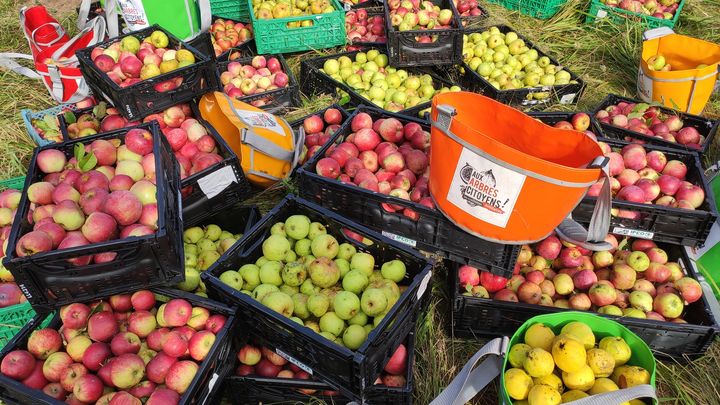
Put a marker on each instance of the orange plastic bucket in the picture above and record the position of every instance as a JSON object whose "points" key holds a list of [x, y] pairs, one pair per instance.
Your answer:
{"points": [[502, 175]]}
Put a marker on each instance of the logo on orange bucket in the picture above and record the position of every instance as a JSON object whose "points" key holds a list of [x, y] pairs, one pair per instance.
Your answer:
{"points": [[484, 189]]}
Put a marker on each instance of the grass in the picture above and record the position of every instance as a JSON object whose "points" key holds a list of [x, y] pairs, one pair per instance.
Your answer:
{"points": [[605, 56]]}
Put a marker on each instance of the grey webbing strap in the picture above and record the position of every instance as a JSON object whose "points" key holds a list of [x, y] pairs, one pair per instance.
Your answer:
{"points": [[111, 16], [263, 145], [444, 119], [299, 142], [618, 397], [7, 61], [83, 13], [205, 15], [594, 237], [471, 379]]}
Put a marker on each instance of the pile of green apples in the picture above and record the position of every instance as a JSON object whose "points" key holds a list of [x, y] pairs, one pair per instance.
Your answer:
{"points": [[507, 63], [203, 247], [305, 274], [385, 86]]}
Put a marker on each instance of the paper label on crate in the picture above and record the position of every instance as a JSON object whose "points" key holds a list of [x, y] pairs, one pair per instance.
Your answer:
{"points": [[217, 181], [259, 119], [424, 284], [294, 361], [212, 381], [644, 86], [398, 238], [134, 14], [601, 13], [484, 189], [635, 233], [568, 98]]}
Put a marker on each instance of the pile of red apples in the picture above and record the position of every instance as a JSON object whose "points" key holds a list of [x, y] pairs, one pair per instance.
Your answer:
{"points": [[384, 156], [117, 351], [319, 129], [260, 76], [363, 28], [10, 293]]}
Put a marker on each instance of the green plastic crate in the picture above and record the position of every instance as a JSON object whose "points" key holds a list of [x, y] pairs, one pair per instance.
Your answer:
{"points": [[13, 318], [273, 36], [599, 11], [16, 183], [542, 9], [233, 9]]}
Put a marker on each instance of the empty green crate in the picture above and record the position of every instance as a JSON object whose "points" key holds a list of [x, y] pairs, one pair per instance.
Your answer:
{"points": [[274, 36], [233, 9], [542, 9], [599, 11]]}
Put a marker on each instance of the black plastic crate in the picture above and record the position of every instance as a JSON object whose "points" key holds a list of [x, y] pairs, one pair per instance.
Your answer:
{"points": [[143, 98], [217, 187], [352, 372], [474, 317], [253, 390], [705, 126], [405, 51], [553, 117], [226, 176], [278, 100], [204, 386], [49, 281], [474, 21], [313, 81], [431, 232], [526, 97], [659, 223]]}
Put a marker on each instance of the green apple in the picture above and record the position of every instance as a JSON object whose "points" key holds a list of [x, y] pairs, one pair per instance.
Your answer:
{"points": [[297, 320], [232, 279], [373, 302], [327, 335], [130, 44], [360, 318], [325, 246], [638, 260], [346, 305], [313, 326], [205, 244], [344, 61], [354, 336], [308, 288], [355, 281], [289, 290], [297, 226], [362, 261], [261, 260], [331, 323], [323, 272], [318, 304], [343, 265], [290, 257], [213, 232], [192, 280], [316, 229], [345, 251], [207, 258], [270, 273], [377, 320], [226, 235], [368, 328], [278, 229], [302, 247], [393, 270], [250, 274], [190, 248], [192, 235], [262, 290], [280, 302], [300, 308], [294, 274], [190, 259], [225, 244], [275, 247], [375, 276]]}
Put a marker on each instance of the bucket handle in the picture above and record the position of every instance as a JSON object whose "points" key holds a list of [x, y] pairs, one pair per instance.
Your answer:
{"points": [[592, 238], [471, 380]]}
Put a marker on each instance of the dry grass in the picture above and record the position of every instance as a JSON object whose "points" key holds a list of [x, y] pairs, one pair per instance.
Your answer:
{"points": [[605, 56]]}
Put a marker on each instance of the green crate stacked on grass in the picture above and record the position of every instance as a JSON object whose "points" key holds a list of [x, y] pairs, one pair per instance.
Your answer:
{"points": [[274, 36], [237, 10], [13, 318], [16, 183], [599, 11], [542, 9]]}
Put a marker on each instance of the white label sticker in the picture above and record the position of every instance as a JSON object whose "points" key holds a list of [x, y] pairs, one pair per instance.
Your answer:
{"points": [[635, 233], [484, 189], [294, 361], [601, 13], [212, 381], [644, 86], [260, 120], [568, 98], [424, 284], [398, 238], [217, 181]]}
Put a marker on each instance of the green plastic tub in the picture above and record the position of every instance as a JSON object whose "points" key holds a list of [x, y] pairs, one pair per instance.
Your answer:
{"points": [[599, 11], [602, 327]]}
